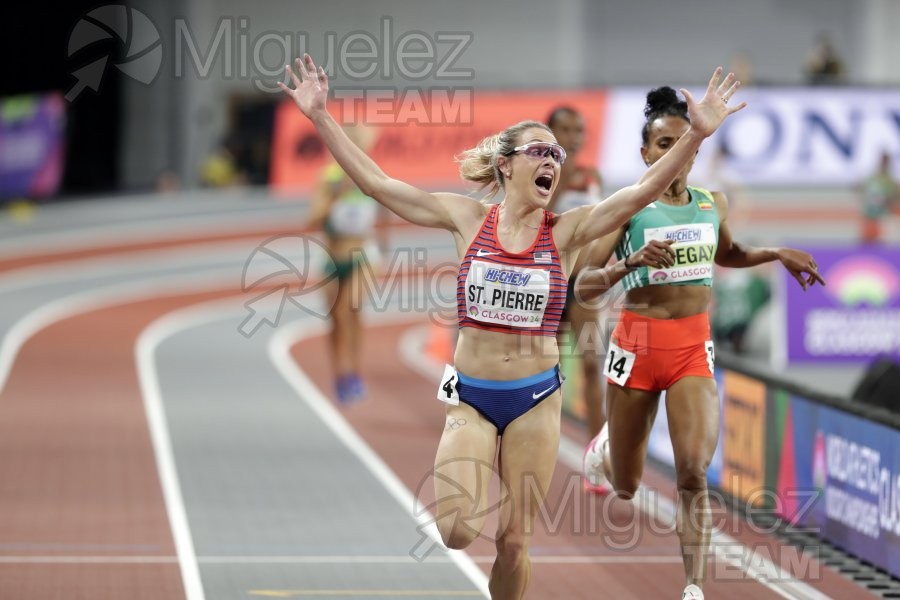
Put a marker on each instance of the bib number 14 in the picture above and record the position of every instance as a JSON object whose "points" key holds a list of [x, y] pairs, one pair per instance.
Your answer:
{"points": [[619, 363]]}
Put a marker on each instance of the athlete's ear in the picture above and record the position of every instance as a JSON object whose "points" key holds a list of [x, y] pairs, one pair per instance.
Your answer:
{"points": [[503, 165], [644, 155]]}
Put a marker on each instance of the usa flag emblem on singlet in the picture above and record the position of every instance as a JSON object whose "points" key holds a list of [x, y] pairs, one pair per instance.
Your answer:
{"points": [[522, 292]]}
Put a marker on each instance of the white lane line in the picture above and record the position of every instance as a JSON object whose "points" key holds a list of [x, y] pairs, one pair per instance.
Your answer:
{"points": [[279, 352], [74, 304], [148, 376], [132, 291], [111, 265], [724, 547], [653, 504], [166, 229], [88, 560], [401, 559], [407, 559]]}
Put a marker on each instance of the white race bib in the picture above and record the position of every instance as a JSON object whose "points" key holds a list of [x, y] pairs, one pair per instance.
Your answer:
{"points": [[695, 251], [506, 295], [447, 391], [619, 363], [352, 217], [710, 356]]}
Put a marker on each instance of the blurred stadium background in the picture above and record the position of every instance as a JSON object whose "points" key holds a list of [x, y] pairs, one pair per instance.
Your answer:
{"points": [[146, 156]]}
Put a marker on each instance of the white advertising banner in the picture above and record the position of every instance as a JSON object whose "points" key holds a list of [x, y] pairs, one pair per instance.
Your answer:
{"points": [[786, 136]]}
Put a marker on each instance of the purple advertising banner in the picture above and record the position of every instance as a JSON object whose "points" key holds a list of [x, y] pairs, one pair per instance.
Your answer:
{"points": [[844, 481], [856, 317], [31, 145]]}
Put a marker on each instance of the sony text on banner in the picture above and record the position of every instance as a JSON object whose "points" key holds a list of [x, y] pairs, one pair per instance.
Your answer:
{"points": [[856, 317], [744, 460], [846, 474], [422, 151], [785, 136]]}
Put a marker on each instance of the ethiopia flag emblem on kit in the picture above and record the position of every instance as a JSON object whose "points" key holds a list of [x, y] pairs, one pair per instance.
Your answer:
{"points": [[704, 205]]}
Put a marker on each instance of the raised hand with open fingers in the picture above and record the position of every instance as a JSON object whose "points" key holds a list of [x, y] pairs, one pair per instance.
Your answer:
{"points": [[713, 108], [802, 266], [310, 91]]}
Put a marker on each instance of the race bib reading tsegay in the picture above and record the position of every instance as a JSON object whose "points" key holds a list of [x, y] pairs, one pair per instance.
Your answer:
{"points": [[506, 295], [695, 250]]}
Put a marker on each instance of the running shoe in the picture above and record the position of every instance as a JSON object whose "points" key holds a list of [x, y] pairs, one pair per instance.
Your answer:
{"points": [[348, 389], [357, 387], [692, 592], [595, 479]]}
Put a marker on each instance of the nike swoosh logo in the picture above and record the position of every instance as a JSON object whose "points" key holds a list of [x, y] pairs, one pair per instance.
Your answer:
{"points": [[482, 253], [539, 394]]}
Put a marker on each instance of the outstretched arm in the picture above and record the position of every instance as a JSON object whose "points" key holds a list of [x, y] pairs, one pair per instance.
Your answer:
{"points": [[731, 253], [417, 206], [614, 212]]}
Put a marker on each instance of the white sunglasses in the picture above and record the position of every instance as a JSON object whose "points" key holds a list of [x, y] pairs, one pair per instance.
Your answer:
{"points": [[541, 150]]}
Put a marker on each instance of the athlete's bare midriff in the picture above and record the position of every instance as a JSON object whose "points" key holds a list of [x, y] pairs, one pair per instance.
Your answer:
{"points": [[668, 301], [342, 248], [503, 356]]}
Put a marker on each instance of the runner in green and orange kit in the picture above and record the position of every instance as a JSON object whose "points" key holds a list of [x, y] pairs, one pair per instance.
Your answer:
{"points": [[666, 254]]}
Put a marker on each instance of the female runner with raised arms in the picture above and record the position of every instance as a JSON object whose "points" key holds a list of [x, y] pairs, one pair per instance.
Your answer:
{"points": [[666, 254], [511, 289]]}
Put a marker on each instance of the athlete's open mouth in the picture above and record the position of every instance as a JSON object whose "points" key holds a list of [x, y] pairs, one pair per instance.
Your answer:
{"points": [[544, 182]]}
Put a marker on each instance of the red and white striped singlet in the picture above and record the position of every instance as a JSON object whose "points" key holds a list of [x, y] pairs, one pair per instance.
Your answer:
{"points": [[522, 293]]}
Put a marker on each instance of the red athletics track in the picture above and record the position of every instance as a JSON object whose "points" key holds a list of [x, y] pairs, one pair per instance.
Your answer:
{"points": [[80, 482], [79, 478], [402, 421]]}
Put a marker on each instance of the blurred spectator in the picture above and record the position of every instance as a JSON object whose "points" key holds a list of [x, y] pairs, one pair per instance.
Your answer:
{"points": [[349, 220], [742, 67], [222, 168], [167, 183], [879, 192], [716, 176], [739, 295], [824, 66], [580, 331]]}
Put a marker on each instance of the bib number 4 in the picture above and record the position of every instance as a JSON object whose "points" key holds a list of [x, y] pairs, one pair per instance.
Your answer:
{"points": [[619, 363], [447, 391]]}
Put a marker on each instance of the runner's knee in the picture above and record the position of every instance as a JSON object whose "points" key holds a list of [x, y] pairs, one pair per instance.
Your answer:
{"points": [[691, 475], [512, 547], [455, 535]]}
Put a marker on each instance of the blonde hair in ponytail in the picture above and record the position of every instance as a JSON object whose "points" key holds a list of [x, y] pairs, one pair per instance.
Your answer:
{"points": [[479, 164]]}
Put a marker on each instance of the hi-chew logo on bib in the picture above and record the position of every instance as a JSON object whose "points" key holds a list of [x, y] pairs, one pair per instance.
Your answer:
{"points": [[507, 295], [695, 250]]}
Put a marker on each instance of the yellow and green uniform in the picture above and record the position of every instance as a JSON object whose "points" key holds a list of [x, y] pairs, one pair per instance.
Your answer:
{"points": [[353, 213], [695, 229]]}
